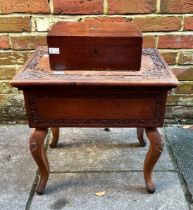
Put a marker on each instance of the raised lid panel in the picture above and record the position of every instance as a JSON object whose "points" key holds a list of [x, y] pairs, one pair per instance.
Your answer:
{"points": [[94, 29]]}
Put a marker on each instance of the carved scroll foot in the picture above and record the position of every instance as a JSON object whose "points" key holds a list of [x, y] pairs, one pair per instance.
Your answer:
{"points": [[38, 152], [154, 153], [140, 136], [55, 137]]}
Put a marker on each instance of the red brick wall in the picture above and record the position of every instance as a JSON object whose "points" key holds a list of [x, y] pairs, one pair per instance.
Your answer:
{"points": [[166, 25]]}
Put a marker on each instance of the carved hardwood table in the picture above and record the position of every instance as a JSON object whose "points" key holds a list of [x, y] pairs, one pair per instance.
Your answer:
{"points": [[95, 99]]}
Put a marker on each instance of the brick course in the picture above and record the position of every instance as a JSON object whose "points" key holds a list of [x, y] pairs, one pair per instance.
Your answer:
{"points": [[13, 57], [186, 57], [183, 73], [170, 57], [21, 6], [77, 7], [7, 72], [145, 23], [158, 23], [131, 7], [27, 42], [14, 24], [176, 6], [175, 41]]}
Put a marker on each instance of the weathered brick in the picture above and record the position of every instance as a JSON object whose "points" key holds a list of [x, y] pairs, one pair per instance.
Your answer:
{"points": [[77, 6], [12, 108], [158, 23], [14, 24], [43, 23], [188, 23], [176, 6], [131, 7], [7, 72], [10, 115], [175, 41], [27, 42], [186, 57], [20, 6], [179, 113], [183, 72], [5, 88], [149, 41], [4, 42], [174, 121], [10, 100], [14, 57], [185, 88], [108, 19], [170, 57], [180, 100], [145, 24], [178, 121]]}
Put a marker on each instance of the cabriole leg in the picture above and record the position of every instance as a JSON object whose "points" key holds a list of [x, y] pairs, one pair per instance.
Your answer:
{"points": [[55, 137], [140, 136], [154, 153], [38, 152]]}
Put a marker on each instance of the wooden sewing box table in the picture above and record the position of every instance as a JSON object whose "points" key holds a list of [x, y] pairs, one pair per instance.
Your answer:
{"points": [[95, 99]]}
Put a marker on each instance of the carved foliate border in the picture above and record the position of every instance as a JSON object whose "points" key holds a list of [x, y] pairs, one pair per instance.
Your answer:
{"points": [[32, 72], [37, 121]]}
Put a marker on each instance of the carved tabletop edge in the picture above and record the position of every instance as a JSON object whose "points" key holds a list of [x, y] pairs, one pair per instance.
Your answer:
{"points": [[32, 75]]}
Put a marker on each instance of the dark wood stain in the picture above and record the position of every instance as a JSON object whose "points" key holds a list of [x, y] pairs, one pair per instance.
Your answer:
{"points": [[98, 46]]}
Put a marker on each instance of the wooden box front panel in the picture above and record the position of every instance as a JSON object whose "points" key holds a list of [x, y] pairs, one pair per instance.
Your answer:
{"points": [[96, 53], [94, 46], [46, 109]]}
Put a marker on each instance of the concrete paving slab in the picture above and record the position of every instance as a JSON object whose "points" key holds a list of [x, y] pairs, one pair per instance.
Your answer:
{"points": [[14, 135], [17, 167], [82, 150], [123, 191], [98, 150], [181, 141]]}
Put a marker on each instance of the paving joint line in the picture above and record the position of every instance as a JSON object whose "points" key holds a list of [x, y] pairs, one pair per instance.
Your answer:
{"points": [[118, 171], [32, 192]]}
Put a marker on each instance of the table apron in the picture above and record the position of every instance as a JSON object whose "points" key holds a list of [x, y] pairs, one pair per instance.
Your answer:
{"points": [[95, 108]]}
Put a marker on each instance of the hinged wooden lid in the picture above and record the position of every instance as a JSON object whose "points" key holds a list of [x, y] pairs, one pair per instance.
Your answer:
{"points": [[86, 29]]}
